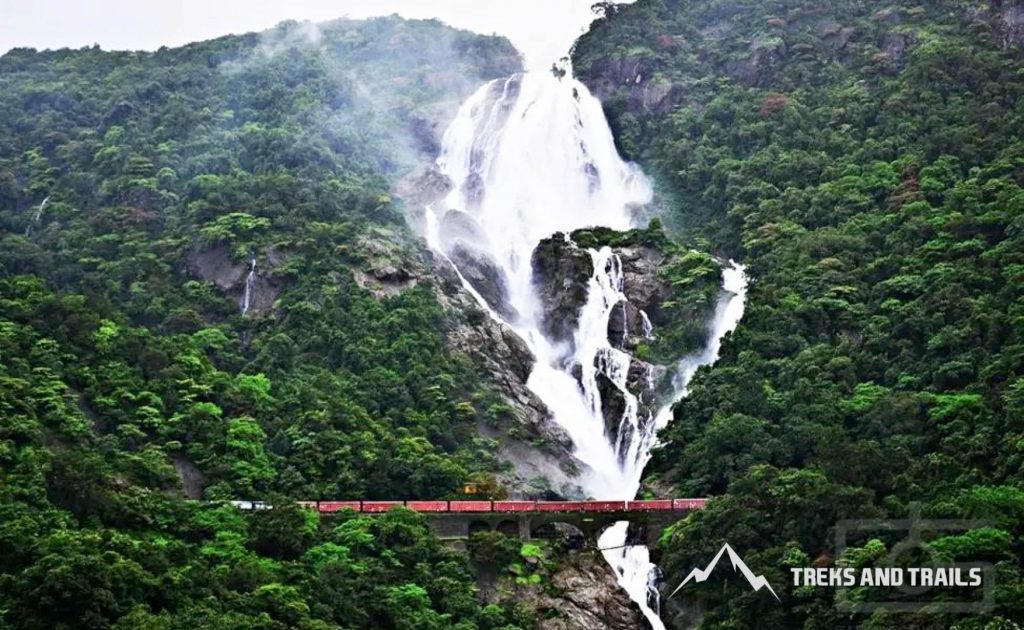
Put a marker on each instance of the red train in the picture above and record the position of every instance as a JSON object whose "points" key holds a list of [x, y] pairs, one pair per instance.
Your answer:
{"points": [[504, 507]]}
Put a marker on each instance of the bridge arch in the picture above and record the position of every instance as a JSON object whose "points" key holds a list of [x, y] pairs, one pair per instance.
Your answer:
{"points": [[476, 526], [555, 529], [508, 527]]}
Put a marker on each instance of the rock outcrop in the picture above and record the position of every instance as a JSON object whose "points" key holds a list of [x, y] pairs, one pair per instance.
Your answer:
{"points": [[581, 594], [466, 246], [215, 264], [539, 449], [561, 271]]}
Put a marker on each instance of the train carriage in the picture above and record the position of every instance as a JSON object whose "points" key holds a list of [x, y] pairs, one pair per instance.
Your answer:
{"points": [[650, 505], [605, 506], [562, 506], [376, 507], [427, 506], [469, 506], [689, 504], [515, 506], [329, 507]]}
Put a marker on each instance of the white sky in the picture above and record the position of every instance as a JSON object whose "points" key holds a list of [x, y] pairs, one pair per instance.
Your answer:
{"points": [[542, 29]]}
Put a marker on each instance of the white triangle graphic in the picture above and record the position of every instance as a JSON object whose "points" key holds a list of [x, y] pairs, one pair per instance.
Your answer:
{"points": [[757, 582]]}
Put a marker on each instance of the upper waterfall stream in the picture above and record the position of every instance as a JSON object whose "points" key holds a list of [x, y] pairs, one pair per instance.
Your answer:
{"points": [[529, 156]]}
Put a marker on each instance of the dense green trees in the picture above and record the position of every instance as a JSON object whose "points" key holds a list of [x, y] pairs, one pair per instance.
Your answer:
{"points": [[126, 378], [865, 160]]}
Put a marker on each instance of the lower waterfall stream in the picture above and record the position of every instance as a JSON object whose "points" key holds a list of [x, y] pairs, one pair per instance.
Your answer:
{"points": [[529, 156]]}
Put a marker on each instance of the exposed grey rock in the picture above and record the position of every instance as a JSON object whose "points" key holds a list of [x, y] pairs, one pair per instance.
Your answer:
{"points": [[192, 479], [542, 455], [582, 594], [590, 598], [466, 245], [480, 270], [561, 271], [214, 264], [642, 286], [613, 404], [422, 188]]}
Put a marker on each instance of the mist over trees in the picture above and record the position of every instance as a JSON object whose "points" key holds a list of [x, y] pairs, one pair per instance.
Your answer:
{"points": [[136, 190]]}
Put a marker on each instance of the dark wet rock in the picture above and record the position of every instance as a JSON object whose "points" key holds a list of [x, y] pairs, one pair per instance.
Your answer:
{"points": [[627, 327], [613, 404], [537, 447], [618, 327], [215, 264], [642, 285], [466, 245], [480, 270], [561, 273]]}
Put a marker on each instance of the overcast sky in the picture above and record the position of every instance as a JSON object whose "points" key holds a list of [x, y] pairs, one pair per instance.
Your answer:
{"points": [[541, 29]]}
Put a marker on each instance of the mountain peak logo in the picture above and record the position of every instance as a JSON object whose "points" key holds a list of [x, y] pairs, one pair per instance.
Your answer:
{"points": [[757, 582]]}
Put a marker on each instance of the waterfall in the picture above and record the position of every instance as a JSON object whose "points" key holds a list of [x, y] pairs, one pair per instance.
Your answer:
{"points": [[250, 285], [528, 156], [637, 575], [38, 214]]}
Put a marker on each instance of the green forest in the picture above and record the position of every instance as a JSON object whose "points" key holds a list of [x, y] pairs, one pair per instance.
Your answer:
{"points": [[123, 376], [865, 160]]}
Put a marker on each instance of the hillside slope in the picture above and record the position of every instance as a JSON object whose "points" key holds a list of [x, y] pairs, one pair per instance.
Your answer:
{"points": [[185, 238], [866, 161]]}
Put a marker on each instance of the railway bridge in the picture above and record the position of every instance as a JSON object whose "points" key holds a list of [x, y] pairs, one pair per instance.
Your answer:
{"points": [[457, 520]]}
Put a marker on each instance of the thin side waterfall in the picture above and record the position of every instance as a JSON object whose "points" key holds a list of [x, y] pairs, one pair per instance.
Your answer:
{"points": [[528, 156], [250, 284], [38, 214]]}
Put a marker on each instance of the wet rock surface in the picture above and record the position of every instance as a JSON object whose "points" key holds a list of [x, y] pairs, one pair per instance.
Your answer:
{"points": [[561, 272], [215, 264], [562, 269], [539, 449], [465, 244]]}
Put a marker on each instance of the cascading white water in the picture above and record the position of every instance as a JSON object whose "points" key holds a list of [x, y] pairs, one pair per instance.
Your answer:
{"points": [[250, 282], [38, 214], [529, 156], [636, 573]]}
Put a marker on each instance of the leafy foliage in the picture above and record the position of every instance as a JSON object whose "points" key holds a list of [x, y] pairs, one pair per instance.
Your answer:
{"points": [[865, 160], [127, 378]]}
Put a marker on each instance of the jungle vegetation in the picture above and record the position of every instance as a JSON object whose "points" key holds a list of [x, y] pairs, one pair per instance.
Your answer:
{"points": [[127, 381], [865, 160]]}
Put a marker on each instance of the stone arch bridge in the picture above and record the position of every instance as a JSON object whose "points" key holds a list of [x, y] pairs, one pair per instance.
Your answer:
{"points": [[456, 520]]}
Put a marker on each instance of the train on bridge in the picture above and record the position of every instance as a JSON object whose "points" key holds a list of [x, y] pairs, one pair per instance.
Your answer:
{"points": [[494, 507]]}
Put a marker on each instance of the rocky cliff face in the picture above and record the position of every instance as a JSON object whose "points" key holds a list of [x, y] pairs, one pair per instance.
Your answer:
{"points": [[215, 264], [563, 266], [466, 246], [561, 270], [539, 449], [581, 594]]}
